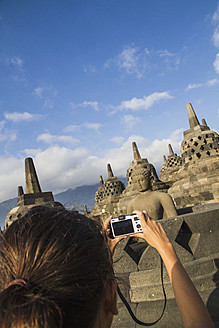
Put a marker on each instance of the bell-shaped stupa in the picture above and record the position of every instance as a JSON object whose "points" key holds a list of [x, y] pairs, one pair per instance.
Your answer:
{"points": [[33, 196], [197, 181], [170, 167]]}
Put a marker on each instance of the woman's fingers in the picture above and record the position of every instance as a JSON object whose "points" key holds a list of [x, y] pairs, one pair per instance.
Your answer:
{"points": [[106, 223]]}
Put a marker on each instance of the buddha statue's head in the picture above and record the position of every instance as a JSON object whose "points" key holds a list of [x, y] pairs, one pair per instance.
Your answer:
{"points": [[141, 176]]}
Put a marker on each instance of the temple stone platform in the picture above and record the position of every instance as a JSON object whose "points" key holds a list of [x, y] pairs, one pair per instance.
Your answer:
{"points": [[137, 265]]}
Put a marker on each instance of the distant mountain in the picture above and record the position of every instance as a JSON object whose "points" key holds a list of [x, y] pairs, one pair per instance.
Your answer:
{"points": [[71, 198], [5, 207], [78, 197]]}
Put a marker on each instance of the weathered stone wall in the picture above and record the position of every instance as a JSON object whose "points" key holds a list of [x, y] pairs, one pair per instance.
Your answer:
{"points": [[195, 237], [197, 183]]}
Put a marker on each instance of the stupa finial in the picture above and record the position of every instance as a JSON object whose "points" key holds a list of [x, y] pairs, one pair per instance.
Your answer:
{"points": [[20, 191], [204, 122], [170, 150], [85, 210], [109, 170], [135, 151], [32, 185], [101, 180], [193, 120]]}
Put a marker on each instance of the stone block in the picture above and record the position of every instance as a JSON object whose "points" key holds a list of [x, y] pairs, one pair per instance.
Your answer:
{"points": [[124, 285], [205, 223], [122, 262], [206, 195], [151, 311], [123, 319], [154, 291], [147, 277]]}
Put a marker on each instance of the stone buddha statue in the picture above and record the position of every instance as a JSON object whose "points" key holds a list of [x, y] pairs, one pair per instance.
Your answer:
{"points": [[159, 205]]}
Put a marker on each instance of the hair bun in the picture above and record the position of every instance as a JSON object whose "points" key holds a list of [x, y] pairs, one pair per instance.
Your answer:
{"points": [[37, 308], [18, 282]]}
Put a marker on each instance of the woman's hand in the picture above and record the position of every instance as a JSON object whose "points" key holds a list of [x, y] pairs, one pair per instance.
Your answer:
{"points": [[153, 232], [112, 242], [190, 304]]}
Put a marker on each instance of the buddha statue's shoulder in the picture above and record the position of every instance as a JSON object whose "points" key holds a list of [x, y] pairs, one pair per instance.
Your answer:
{"points": [[161, 194]]}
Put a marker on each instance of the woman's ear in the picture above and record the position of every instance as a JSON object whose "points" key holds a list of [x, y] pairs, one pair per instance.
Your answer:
{"points": [[110, 302]]}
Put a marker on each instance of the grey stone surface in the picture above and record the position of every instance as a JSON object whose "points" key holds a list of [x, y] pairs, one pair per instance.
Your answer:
{"points": [[197, 182], [123, 320], [195, 237]]}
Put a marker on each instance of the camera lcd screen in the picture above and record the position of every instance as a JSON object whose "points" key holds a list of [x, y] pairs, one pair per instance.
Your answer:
{"points": [[123, 227]]}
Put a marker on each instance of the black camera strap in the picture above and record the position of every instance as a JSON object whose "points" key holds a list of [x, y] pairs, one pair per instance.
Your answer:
{"points": [[130, 310]]}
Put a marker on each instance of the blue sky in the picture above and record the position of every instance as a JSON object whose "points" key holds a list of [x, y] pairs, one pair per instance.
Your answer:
{"points": [[80, 80]]}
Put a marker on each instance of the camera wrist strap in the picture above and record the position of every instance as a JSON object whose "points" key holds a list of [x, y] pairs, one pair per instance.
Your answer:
{"points": [[130, 310]]}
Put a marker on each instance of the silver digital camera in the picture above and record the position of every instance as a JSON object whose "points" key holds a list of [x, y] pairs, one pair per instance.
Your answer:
{"points": [[125, 225]]}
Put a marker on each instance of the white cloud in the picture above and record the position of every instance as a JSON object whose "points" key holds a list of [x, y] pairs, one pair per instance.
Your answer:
{"points": [[67, 168], [2, 123], [48, 103], [89, 69], [93, 104], [38, 91], [215, 19], [15, 65], [215, 16], [216, 37], [130, 61], [16, 61], [52, 139], [46, 93], [92, 126], [212, 82], [208, 83], [71, 128], [11, 176], [60, 168], [18, 117], [216, 63], [152, 150], [87, 125], [31, 151], [117, 140], [165, 53], [145, 102], [194, 86], [5, 134], [129, 121], [136, 62]]}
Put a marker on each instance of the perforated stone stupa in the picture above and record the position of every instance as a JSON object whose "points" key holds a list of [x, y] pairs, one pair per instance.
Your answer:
{"points": [[170, 168], [199, 141], [198, 180], [107, 196]]}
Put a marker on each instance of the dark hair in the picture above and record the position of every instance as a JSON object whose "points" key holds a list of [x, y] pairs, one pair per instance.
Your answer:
{"points": [[64, 259]]}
